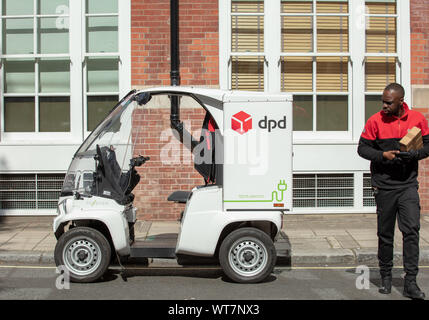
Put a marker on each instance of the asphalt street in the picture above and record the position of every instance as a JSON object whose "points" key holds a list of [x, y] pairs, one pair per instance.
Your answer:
{"points": [[203, 283]]}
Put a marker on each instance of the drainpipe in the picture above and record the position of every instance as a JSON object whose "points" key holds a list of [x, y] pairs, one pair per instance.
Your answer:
{"points": [[183, 135], [174, 49]]}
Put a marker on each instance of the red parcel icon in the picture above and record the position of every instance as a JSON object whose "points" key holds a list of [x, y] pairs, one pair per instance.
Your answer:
{"points": [[241, 122]]}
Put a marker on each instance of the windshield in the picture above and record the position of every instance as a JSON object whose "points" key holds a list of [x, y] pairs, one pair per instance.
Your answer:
{"points": [[114, 134], [111, 124]]}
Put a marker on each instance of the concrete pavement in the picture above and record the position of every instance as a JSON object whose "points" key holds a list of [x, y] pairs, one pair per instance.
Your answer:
{"points": [[308, 240]]}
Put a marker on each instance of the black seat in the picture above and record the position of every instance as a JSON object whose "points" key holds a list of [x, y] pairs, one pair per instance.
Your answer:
{"points": [[179, 196], [111, 182]]}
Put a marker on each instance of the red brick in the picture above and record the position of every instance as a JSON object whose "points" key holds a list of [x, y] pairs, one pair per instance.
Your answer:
{"points": [[159, 179], [420, 76], [198, 42]]}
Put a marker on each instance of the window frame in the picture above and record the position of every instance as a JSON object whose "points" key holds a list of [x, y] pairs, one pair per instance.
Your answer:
{"points": [[77, 56], [87, 55], [315, 54], [247, 54], [397, 56], [36, 57], [356, 54]]}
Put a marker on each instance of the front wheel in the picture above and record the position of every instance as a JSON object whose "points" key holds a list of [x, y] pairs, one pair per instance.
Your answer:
{"points": [[84, 252], [247, 255]]}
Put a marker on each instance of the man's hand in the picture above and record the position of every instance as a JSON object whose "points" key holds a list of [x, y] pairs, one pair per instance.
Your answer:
{"points": [[390, 155], [409, 156]]}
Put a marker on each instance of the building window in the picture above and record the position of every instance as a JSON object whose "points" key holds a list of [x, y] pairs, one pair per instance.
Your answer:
{"points": [[56, 55], [101, 59], [335, 57], [315, 63], [35, 66], [381, 55], [247, 45]]}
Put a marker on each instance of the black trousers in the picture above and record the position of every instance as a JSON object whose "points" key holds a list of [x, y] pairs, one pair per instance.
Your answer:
{"points": [[404, 205]]}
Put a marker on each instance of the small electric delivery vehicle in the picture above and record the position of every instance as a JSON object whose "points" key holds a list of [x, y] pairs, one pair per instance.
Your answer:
{"points": [[244, 155]]}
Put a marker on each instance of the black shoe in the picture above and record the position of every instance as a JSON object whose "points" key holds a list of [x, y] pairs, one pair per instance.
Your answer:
{"points": [[412, 290], [386, 285]]}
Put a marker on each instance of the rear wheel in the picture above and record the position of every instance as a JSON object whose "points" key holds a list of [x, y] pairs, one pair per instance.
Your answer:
{"points": [[84, 252], [247, 255]]}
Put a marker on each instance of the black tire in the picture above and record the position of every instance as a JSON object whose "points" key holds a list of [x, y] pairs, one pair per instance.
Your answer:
{"points": [[247, 255], [84, 252]]}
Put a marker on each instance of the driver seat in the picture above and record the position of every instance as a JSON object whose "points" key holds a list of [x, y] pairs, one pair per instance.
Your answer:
{"points": [[179, 196]]}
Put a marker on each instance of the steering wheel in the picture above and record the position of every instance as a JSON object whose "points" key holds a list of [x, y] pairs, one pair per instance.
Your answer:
{"points": [[138, 161]]}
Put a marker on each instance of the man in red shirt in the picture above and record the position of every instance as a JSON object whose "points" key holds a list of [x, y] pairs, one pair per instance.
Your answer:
{"points": [[395, 185]]}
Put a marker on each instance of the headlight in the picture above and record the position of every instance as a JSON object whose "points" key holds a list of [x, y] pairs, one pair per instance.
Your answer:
{"points": [[69, 205], [60, 208], [65, 206]]}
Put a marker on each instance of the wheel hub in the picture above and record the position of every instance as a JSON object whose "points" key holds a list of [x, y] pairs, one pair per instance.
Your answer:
{"points": [[82, 256], [248, 257]]}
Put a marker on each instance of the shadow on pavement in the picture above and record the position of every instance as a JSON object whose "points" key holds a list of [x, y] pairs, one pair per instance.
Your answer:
{"points": [[207, 273], [202, 272]]}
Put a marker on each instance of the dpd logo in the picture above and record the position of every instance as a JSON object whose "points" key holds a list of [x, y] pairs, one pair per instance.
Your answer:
{"points": [[272, 124], [241, 122]]}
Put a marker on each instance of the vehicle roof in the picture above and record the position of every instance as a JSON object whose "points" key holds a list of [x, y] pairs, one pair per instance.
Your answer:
{"points": [[222, 95]]}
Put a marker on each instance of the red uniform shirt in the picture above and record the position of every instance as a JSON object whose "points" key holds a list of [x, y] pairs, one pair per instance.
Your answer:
{"points": [[383, 133]]}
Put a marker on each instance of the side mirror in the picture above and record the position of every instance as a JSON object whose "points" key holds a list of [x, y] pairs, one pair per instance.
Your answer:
{"points": [[142, 98]]}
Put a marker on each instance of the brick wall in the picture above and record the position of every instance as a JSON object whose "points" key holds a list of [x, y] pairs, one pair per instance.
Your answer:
{"points": [[420, 79], [199, 66], [424, 176], [198, 42], [170, 167], [419, 42]]}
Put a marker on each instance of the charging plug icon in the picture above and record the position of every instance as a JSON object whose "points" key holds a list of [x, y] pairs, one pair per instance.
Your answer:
{"points": [[282, 186]]}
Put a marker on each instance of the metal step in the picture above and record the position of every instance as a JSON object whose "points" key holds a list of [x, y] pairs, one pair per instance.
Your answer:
{"points": [[156, 246], [164, 246]]}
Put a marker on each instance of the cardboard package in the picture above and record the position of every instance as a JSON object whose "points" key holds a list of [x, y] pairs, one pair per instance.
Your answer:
{"points": [[412, 141]]}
